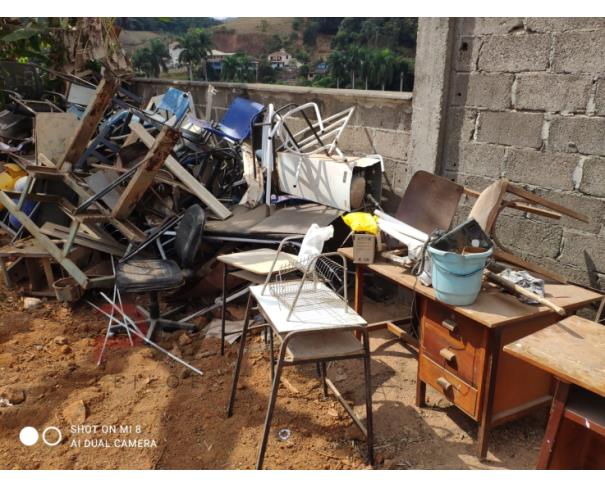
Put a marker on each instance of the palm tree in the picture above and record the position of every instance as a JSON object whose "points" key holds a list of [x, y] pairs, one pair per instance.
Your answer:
{"points": [[236, 68], [366, 63], [337, 62], [384, 68], [197, 46], [142, 60], [159, 54], [353, 55]]}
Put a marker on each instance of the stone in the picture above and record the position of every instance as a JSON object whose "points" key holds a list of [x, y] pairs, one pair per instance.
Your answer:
{"points": [[31, 303], [515, 53], [577, 134], [76, 412], [13, 394], [184, 339], [552, 92], [545, 169], [593, 176], [481, 90], [66, 349], [61, 340], [579, 52], [511, 128], [353, 433]]}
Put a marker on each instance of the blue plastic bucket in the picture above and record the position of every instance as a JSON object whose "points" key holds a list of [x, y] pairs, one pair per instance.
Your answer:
{"points": [[457, 277]]}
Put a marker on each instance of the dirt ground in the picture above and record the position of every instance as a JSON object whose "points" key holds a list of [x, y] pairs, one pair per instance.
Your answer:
{"points": [[151, 413]]}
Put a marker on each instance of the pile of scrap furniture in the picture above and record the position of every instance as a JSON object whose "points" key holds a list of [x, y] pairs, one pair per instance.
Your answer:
{"points": [[104, 195]]}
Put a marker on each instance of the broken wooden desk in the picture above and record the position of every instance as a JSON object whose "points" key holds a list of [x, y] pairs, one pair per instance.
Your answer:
{"points": [[460, 346], [571, 350]]}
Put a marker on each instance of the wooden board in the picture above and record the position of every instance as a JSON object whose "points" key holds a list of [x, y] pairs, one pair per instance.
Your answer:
{"points": [[493, 308], [184, 176], [486, 208], [572, 350]]}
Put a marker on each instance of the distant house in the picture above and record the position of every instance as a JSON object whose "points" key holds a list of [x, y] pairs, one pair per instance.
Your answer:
{"points": [[320, 68], [175, 50], [216, 58], [280, 59]]}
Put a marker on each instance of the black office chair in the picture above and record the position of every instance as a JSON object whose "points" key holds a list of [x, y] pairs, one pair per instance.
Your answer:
{"points": [[155, 275]]}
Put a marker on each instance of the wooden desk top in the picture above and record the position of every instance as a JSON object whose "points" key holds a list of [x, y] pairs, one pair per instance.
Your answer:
{"points": [[493, 307], [572, 350]]}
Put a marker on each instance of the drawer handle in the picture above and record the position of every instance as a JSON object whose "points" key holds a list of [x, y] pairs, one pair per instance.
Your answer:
{"points": [[447, 354], [450, 325], [445, 385]]}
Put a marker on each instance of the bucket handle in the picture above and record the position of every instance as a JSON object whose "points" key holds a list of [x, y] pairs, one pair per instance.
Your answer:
{"points": [[443, 269]]}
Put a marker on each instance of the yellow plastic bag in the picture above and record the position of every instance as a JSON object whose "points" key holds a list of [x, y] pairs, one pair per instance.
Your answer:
{"points": [[362, 222]]}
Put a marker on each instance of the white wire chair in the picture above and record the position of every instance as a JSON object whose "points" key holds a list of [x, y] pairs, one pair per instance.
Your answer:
{"points": [[318, 287]]}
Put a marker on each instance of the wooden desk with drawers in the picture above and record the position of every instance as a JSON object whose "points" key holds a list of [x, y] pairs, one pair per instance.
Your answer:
{"points": [[460, 346]]}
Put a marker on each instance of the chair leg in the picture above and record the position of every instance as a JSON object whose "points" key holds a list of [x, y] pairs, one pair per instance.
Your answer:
{"points": [[270, 409], [271, 352], [154, 313], [240, 355], [322, 368], [223, 309], [368, 384]]}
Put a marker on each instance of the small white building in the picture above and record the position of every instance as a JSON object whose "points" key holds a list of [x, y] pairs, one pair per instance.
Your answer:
{"points": [[280, 59], [175, 50], [216, 58]]}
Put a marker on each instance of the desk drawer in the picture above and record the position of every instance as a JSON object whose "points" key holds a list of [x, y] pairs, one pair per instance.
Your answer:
{"points": [[455, 390], [454, 343]]}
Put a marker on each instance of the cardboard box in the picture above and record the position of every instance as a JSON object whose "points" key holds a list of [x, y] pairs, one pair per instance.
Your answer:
{"points": [[364, 248]]}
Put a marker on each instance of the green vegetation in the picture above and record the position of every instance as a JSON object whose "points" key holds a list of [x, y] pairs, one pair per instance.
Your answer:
{"points": [[197, 46], [151, 59], [238, 68], [176, 25]]}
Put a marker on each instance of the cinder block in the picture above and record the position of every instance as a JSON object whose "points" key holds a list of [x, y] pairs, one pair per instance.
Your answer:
{"points": [[563, 24], [386, 116], [529, 236], [593, 177], [467, 51], [583, 250], [472, 158], [511, 128], [490, 25], [491, 91], [545, 169], [594, 208], [515, 53], [552, 92], [392, 144], [579, 52], [354, 140], [577, 134], [460, 124]]}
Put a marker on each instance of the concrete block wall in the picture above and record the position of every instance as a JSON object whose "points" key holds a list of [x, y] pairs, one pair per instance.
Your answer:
{"points": [[380, 124], [527, 102]]}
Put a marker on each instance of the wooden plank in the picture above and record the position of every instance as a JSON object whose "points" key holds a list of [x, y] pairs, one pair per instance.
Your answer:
{"points": [[144, 175], [55, 252], [488, 204], [92, 116], [185, 176], [571, 349], [83, 239], [528, 195]]}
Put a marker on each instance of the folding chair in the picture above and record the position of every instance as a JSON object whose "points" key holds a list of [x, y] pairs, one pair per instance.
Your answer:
{"points": [[315, 325]]}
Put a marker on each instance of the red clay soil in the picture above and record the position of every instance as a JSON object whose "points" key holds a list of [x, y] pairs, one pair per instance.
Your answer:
{"points": [[140, 410]]}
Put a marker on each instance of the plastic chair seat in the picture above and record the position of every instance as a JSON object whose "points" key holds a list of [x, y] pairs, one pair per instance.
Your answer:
{"points": [[148, 275]]}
